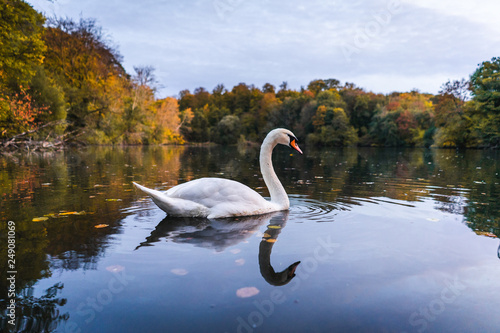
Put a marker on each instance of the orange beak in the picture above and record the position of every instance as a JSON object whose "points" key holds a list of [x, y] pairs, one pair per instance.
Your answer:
{"points": [[295, 146]]}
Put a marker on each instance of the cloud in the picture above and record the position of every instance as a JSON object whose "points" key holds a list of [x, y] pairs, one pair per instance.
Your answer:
{"points": [[389, 44]]}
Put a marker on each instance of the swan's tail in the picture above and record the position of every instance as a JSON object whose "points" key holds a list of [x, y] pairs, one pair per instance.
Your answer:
{"points": [[174, 206], [150, 192]]}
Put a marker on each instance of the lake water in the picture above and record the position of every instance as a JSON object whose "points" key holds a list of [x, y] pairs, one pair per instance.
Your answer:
{"points": [[388, 241]]}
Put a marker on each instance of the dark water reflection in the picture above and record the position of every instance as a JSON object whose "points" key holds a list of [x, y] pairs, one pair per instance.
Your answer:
{"points": [[220, 234], [380, 234]]}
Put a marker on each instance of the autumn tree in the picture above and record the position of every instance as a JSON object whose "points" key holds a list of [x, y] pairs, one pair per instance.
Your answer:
{"points": [[86, 67], [21, 53], [450, 118], [164, 122]]}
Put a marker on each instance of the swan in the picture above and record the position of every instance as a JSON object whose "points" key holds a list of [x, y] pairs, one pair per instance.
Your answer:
{"points": [[218, 198]]}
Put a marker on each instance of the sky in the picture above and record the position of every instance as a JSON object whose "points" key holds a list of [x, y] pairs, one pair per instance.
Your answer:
{"points": [[379, 45]]}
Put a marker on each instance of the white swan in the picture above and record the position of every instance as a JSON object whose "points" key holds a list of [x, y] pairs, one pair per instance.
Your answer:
{"points": [[218, 197]]}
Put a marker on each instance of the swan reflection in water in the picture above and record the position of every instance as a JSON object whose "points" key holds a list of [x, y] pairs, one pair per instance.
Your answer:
{"points": [[220, 234], [498, 252], [270, 236]]}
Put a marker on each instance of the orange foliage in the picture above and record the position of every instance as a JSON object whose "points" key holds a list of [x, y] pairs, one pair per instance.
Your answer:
{"points": [[21, 114], [308, 94], [393, 106]]}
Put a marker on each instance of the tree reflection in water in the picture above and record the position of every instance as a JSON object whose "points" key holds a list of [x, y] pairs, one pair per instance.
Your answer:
{"points": [[220, 234], [36, 314]]}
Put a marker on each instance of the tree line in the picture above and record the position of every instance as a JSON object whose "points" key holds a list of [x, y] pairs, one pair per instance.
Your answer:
{"points": [[64, 78]]}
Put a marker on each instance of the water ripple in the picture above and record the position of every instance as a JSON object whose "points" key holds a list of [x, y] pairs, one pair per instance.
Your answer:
{"points": [[314, 210]]}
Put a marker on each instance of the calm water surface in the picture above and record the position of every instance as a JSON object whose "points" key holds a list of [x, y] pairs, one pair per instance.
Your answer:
{"points": [[388, 241]]}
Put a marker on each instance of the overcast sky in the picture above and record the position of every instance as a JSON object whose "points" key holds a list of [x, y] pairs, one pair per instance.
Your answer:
{"points": [[379, 45]]}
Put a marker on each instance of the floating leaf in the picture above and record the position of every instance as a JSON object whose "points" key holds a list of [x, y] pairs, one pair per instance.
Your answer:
{"points": [[271, 240], [39, 219], [274, 227], [247, 292], [266, 235], [113, 199], [432, 219], [485, 233], [99, 226], [240, 262], [67, 213], [179, 271]]}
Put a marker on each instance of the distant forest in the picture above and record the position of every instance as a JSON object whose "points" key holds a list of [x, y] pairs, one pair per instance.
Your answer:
{"points": [[63, 81]]}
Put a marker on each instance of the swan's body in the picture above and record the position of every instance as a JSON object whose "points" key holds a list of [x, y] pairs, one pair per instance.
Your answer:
{"points": [[218, 197]]}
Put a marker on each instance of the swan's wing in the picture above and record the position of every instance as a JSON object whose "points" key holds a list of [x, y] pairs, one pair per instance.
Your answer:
{"points": [[224, 197], [210, 192]]}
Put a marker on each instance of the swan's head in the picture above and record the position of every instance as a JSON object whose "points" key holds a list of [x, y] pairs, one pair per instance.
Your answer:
{"points": [[284, 137]]}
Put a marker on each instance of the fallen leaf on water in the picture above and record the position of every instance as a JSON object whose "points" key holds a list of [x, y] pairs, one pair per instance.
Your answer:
{"points": [[247, 292], [113, 199], [67, 213], [99, 226], [485, 233], [115, 268], [266, 235], [432, 219], [271, 240], [179, 271], [39, 219], [274, 227], [240, 262]]}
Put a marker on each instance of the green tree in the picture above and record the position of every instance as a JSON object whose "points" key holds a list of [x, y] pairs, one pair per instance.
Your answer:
{"points": [[268, 88], [21, 53], [485, 113], [315, 86], [21, 45], [450, 119], [228, 130], [332, 128]]}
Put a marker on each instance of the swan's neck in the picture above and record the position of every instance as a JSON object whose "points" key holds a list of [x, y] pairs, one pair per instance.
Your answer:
{"points": [[276, 190]]}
